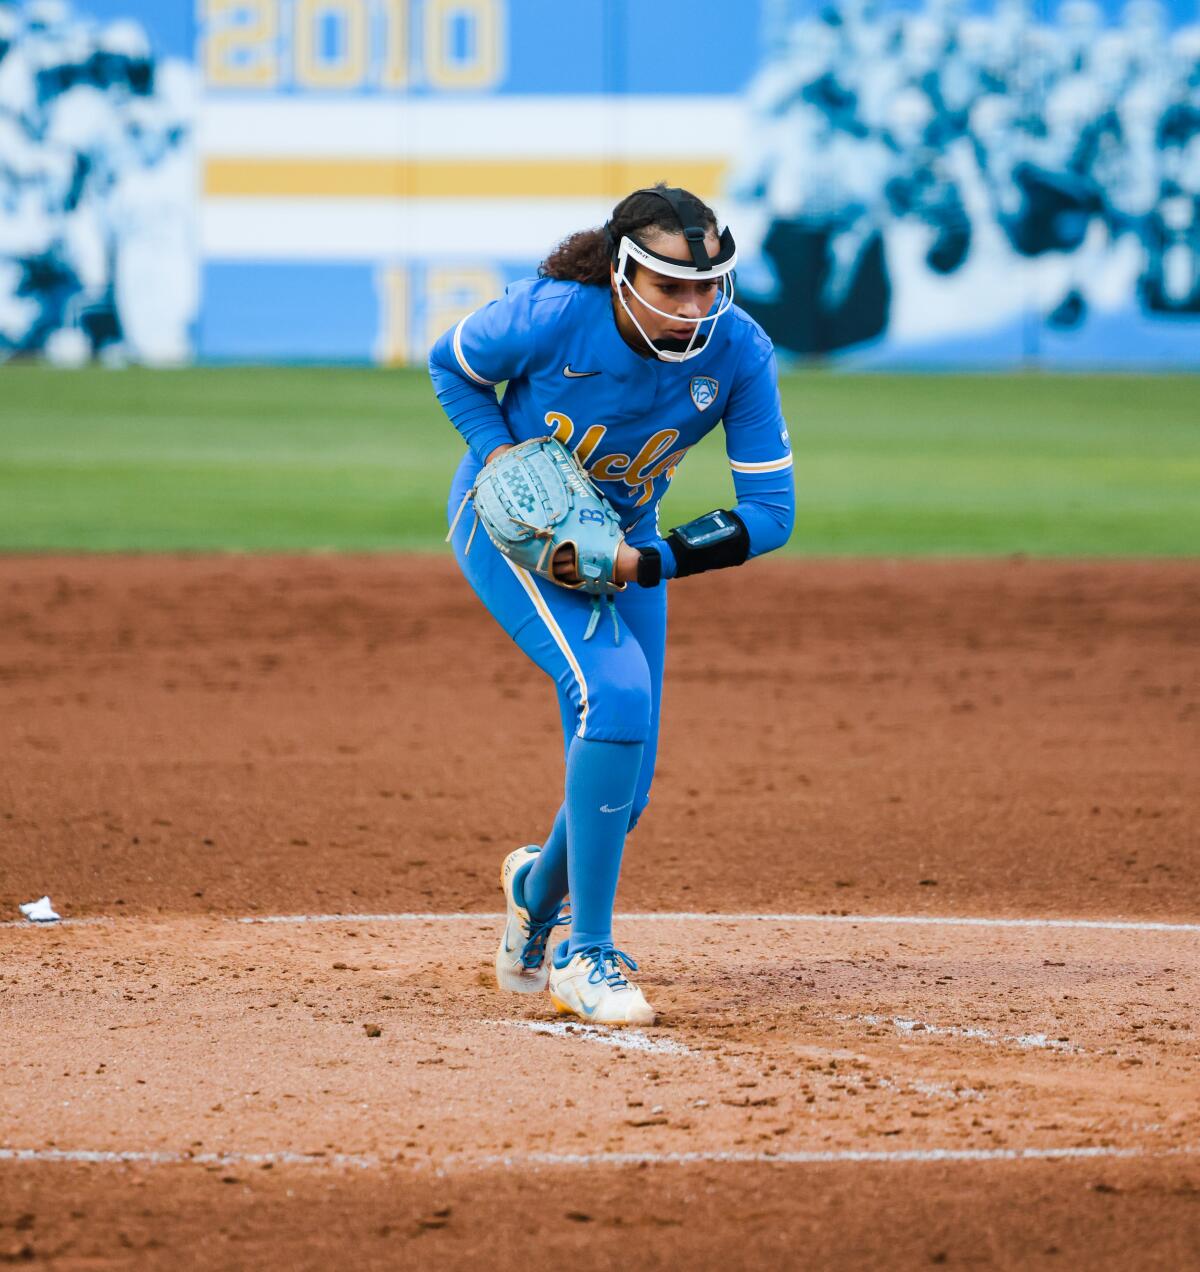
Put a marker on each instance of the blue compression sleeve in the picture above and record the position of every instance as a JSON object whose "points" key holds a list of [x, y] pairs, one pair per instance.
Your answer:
{"points": [[498, 342], [767, 506], [756, 440], [472, 408], [601, 784]]}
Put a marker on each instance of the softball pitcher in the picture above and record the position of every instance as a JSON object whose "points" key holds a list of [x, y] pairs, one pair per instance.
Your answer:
{"points": [[627, 349]]}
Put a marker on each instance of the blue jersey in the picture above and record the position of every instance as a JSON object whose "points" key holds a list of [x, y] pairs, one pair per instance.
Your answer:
{"points": [[630, 420]]}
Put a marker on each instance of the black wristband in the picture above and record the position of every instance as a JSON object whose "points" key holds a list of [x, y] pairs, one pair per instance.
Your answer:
{"points": [[649, 567], [713, 542]]}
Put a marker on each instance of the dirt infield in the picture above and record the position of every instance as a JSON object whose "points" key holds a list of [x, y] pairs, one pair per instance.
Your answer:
{"points": [[186, 743]]}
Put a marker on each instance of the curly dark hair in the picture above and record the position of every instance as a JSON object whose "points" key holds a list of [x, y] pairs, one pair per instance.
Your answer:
{"points": [[585, 256]]}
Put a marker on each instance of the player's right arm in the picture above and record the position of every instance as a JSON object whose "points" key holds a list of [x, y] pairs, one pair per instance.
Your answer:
{"points": [[489, 346]]}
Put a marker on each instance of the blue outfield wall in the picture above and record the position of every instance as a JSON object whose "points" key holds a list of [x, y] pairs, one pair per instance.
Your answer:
{"points": [[342, 312], [915, 184], [288, 311], [171, 23]]}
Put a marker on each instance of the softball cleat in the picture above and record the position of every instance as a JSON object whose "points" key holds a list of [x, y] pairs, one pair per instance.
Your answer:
{"points": [[591, 985], [522, 961]]}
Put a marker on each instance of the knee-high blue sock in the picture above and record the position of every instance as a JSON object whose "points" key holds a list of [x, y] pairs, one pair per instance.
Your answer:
{"points": [[544, 884], [601, 783]]}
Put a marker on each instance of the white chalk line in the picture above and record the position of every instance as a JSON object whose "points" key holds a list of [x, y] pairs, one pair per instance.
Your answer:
{"points": [[622, 1039], [920, 920], [104, 1157], [917, 1086], [54, 923], [510, 1161], [818, 1157], [634, 1040], [458, 917], [904, 1025], [853, 920]]}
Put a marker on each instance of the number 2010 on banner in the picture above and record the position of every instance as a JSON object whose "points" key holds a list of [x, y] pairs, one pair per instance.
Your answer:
{"points": [[353, 45]]}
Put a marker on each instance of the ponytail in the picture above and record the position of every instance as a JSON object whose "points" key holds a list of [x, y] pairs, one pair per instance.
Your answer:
{"points": [[585, 256]]}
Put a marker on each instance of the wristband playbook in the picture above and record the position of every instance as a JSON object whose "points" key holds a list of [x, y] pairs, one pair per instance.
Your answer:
{"points": [[712, 542]]}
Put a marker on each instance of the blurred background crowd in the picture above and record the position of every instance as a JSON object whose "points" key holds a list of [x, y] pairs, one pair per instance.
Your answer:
{"points": [[890, 151], [97, 189]]}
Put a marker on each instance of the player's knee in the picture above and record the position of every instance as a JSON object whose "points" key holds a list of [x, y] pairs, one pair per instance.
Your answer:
{"points": [[622, 708]]}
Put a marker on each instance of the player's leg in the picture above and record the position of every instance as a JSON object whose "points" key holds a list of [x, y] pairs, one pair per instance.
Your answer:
{"points": [[644, 612], [587, 978], [607, 682], [544, 885]]}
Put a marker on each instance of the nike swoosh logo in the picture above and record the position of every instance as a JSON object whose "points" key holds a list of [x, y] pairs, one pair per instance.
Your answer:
{"points": [[577, 375], [604, 808]]}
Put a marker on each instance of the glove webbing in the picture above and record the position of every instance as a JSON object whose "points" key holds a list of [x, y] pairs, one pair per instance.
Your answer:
{"points": [[590, 630], [539, 532]]}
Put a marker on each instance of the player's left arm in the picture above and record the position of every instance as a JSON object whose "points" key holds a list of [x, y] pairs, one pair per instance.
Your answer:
{"points": [[760, 457], [760, 451]]}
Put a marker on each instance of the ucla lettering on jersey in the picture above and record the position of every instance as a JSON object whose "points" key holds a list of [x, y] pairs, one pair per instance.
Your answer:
{"points": [[629, 419]]}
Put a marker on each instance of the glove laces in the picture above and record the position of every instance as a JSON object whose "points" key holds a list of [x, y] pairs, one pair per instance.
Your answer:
{"points": [[597, 604], [546, 536]]}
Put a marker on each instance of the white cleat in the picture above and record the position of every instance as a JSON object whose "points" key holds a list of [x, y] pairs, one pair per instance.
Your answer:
{"points": [[522, 960], [592, 986]]}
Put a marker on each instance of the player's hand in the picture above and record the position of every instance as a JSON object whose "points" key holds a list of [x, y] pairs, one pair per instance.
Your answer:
{"points": [[498, 451], [626, 571], [563, 565], [627, 564]]}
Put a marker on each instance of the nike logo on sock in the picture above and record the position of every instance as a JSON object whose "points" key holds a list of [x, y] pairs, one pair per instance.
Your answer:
{"points": [[577, 375], [604, 808]]}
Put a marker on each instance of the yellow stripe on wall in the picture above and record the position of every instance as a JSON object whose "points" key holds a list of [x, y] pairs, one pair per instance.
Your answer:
{"points": [[454, 178]]}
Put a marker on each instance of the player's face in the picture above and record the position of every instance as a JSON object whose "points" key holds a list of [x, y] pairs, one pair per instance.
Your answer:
{"points": [[676, 297]]}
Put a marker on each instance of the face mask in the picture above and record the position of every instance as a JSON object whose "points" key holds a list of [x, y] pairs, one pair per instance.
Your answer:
{"points": [[700, 269]]}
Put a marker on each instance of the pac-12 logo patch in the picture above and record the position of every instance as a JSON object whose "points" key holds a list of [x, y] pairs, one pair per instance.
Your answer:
{"points": [[704, 391]]}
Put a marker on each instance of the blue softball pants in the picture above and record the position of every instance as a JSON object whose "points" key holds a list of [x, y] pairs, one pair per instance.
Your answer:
{"points": [[609, 691]]}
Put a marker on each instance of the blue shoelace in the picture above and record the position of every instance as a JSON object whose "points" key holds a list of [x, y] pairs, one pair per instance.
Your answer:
{"points": [[606, 963], [537, 933]]}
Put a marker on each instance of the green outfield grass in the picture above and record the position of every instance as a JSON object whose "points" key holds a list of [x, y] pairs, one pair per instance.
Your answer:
{"points": [[302, 458]]}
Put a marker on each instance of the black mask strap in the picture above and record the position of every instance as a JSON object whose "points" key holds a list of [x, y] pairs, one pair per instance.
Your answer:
{"points": [[694, 234]]}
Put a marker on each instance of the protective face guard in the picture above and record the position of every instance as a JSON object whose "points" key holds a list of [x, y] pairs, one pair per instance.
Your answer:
{"points": [[701, 268]]}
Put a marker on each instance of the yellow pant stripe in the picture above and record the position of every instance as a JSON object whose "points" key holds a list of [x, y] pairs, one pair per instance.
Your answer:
{"points": [[526, 581]]}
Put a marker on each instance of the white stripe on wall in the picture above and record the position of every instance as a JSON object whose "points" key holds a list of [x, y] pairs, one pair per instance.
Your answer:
{"points": [[542, 127], [397, 229]]}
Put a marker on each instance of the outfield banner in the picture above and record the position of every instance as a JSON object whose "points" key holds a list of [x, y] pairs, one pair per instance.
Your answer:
{"points": [[928, 184], [99, 246]]}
